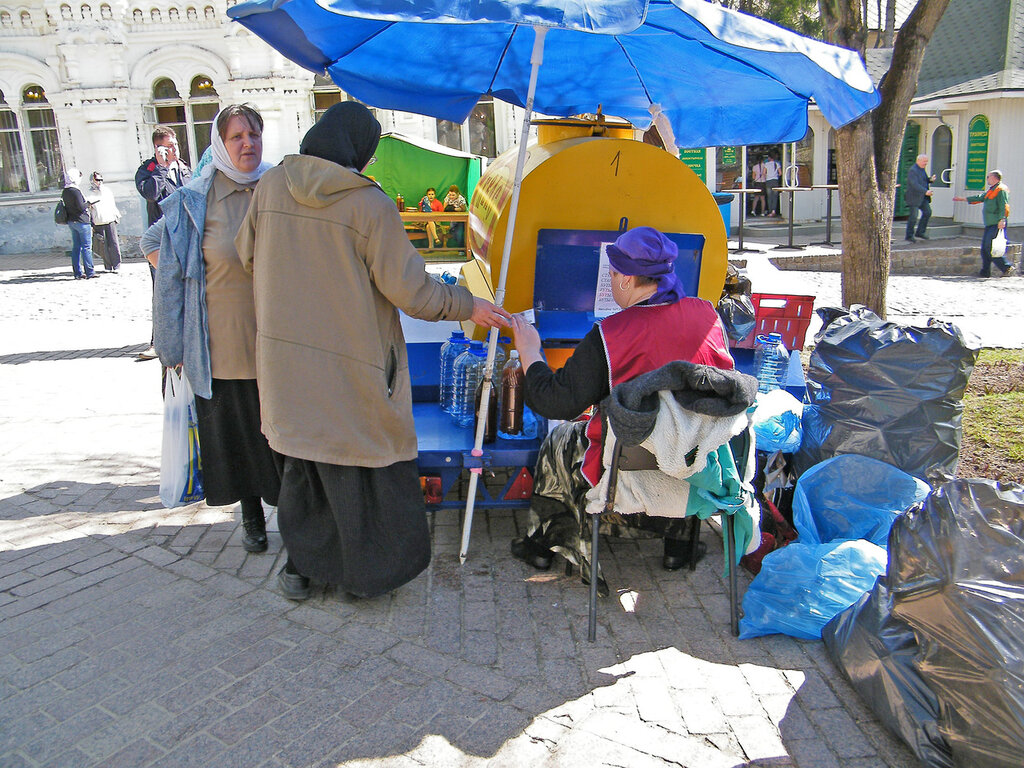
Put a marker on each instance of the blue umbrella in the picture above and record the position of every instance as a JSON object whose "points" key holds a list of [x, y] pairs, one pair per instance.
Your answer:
{"points": [[721, 77], [715, 76]]}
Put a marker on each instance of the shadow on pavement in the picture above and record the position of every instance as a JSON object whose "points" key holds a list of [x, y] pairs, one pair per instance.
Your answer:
{"points": [[137, 635], [17, 358]]}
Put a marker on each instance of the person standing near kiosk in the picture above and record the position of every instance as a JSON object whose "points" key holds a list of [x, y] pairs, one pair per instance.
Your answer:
{"points": [[335, 389]]}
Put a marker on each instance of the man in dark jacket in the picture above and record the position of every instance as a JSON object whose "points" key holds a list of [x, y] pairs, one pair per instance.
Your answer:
{"points": [[918, 198], [156, 179], [80, 224]]}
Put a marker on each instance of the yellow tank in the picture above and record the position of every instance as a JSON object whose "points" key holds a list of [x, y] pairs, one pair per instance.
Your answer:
{"points": [[587, 183]]}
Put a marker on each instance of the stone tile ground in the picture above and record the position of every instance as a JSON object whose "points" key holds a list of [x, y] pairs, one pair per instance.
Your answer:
{"points": [[132, 635]]}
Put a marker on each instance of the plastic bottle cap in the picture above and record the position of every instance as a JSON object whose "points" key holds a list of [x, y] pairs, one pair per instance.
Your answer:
{"points": [[514, 353], [458, 334]]}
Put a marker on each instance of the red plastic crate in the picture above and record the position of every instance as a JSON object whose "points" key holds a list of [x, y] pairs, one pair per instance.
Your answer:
{"points": [[780, 313]]}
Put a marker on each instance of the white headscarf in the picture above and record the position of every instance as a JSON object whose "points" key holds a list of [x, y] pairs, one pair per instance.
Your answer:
{"points": [[74, 177], [222, 160]]}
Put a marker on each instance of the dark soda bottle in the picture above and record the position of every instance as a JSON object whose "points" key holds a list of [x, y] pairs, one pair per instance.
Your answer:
{"points": [[513, 382]]}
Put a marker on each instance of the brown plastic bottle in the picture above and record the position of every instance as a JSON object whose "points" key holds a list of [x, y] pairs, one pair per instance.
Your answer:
{"points": [[513, 382], [400, 202], [491, 428]]}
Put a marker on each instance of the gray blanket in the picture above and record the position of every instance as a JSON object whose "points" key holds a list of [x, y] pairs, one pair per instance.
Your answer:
{"points": [[632, 406]]}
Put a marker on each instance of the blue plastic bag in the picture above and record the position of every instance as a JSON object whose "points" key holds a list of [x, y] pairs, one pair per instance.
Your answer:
{"points": [[802, 587], [181, 469], [776, 421], [852, 497]]}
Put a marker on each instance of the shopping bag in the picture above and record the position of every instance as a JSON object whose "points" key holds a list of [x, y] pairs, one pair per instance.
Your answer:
{"points": [[181, 470], [999, 245]]}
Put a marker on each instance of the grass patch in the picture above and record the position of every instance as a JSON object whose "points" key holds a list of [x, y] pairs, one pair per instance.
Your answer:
{"points": [[990, 356], [994, 422]]}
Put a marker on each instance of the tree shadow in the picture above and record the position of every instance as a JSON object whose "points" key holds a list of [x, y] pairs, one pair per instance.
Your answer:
{"points": [[136, 633], [18, 358]]}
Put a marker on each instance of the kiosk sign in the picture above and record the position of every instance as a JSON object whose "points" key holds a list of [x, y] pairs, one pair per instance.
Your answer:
{"points": [[696, 161], [977, 152]]}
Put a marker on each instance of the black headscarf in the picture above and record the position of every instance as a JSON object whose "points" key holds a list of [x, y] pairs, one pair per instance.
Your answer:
{"points": [[346, 134]]}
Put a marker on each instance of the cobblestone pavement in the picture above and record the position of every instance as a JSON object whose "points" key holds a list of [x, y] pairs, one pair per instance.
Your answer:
{"points": [[132, 635]]}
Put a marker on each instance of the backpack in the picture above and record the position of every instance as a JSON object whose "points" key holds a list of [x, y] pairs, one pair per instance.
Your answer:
{"points": [[60, 214]]}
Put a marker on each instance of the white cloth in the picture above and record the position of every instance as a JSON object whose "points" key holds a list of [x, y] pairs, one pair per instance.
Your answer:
{"points": [[772, 169], [664, 492], [102, 206]]}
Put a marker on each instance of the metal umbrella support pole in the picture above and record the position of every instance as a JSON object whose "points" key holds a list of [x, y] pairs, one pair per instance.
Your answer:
{"points": [[536, 59]]}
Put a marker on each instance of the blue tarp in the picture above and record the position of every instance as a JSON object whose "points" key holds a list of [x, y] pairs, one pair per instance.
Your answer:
{"points": [[721, 77]]}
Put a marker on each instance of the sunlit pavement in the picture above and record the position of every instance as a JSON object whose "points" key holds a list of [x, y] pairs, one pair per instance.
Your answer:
{"points": [[132, 635]]}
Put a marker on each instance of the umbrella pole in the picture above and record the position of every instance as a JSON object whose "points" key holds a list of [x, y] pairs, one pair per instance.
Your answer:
{"points": [[536, 59]]}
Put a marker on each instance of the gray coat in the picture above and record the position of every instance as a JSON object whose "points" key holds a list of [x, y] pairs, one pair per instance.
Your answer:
{"points": [[917, 184]]}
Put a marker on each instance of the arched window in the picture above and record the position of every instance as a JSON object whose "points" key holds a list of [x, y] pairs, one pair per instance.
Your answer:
{"points": [[13, 170], [86, 12], [65, 12], [942, 155], [137, 16], [26, 19], [44, 147], [190, 14], [172, 14], [155, 16], [208, 12], [105, 12], [190, 118], [6, 20]]}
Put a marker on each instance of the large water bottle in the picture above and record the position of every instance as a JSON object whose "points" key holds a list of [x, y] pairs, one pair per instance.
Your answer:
{"points": [[771, 361], [469, 367], [457, 344]]}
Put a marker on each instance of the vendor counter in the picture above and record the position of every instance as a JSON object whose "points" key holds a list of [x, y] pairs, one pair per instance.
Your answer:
{"points": [[446, 450]]}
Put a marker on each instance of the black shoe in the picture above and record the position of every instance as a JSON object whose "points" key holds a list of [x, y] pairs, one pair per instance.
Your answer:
{"points": [[677, 554], [532, 553], [983, 273], [923, 237], [294, 586], [255, 528]]}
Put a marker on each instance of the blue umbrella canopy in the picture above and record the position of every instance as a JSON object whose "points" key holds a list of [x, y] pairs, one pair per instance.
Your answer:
{"points": [[719, 76]]}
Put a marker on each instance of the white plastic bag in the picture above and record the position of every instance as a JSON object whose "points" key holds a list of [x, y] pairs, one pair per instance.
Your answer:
{"points": [[181, 471], [999, 245]]}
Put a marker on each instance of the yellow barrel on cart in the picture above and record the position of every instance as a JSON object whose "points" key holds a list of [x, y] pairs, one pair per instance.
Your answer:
{"points": [[587, 183]]}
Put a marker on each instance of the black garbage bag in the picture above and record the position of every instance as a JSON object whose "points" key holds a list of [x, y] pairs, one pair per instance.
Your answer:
{"points": [[955, 581], [737, 313], [889, 391]]}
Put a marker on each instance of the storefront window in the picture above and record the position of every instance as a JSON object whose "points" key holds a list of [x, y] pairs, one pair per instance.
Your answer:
{"points": [[803, 158], [481, 128], [730, 169], [13, 176], [43, 141], [449, 134], [942, 154]]}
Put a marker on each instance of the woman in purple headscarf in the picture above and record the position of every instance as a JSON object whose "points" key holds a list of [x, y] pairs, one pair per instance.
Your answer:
{"points": [[657, 325]]}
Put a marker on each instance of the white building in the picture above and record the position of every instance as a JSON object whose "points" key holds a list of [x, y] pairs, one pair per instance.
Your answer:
{"points": [[83, 83]]}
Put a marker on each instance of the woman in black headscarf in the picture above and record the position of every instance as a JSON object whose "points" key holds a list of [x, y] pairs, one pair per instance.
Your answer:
{"points": [[331, 267]]}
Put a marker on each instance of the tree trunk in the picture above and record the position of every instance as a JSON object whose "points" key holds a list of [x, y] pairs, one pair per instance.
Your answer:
{"points": [[867, 150]]}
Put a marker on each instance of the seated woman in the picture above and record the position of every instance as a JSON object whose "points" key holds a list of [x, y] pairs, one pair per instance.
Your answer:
{"points": [[454, 202], [657, 325], [429, 203]]}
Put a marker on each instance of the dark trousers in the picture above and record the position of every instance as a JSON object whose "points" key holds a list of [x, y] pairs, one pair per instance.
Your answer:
{"points": [[925, 210], [111, 247], [986, 252]]}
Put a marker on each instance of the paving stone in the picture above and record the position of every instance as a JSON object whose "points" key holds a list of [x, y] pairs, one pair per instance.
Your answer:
{"points": [[138, 753], [199, 752], [812, 753], [842, 733]]}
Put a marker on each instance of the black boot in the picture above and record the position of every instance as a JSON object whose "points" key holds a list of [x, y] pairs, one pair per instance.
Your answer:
{"points": [[531, 552], [293, 584], [677, 553], [254, 526]]}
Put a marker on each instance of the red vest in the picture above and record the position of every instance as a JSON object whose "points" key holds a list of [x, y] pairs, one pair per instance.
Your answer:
{"points": [[643, 338]]}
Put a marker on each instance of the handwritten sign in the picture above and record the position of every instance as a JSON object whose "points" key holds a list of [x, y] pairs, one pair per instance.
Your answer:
{"points": [[604, 304], [977, 152]]}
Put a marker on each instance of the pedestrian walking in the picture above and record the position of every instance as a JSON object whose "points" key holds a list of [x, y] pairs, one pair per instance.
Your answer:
{"points": [[105, 215], [80, 225], [995, 210], [772, 182], [918, 197]]}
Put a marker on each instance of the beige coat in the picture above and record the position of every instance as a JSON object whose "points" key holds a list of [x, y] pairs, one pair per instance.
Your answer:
{"points": [[331, 262]]}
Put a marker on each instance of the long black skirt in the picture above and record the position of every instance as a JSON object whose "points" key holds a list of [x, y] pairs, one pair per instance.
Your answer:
{"points": [[238, 463], [362, 529]]}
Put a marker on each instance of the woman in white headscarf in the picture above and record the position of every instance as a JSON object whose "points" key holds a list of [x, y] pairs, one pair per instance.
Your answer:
{"points": [[205, 320], [80, 224]]}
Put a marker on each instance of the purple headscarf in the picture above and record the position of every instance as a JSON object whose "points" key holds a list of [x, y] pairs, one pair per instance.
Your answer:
{"points": [[645, 251]]}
